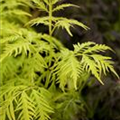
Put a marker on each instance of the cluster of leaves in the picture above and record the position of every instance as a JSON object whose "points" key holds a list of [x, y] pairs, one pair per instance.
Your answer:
{"points": [[38, 73], [103, 17]]}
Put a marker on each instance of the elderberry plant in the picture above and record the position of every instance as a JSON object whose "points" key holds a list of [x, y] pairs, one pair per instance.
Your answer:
{"points": [[39, 76]]}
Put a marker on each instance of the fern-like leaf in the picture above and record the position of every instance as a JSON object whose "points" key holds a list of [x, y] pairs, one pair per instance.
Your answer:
{"points": [[25, 107], [90, 66], [104, 63], [69, 69], [97, 48], [42, 20], [92, 61], [80, 48], [16, 12], [15, 49], [42, 108], [67, 23], [60, 7], [41, 5], [8, 94]]}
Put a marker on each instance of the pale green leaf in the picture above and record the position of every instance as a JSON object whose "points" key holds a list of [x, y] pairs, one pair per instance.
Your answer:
{"points": [[41, 5], [62, 6], [68, 23], [80, 48], [26, 107], [90, 66], [37, 21], [42, 106], [97, 48]]}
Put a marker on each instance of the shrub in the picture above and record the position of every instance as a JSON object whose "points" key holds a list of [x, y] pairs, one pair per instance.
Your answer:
{"points": [[40, 78]]}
